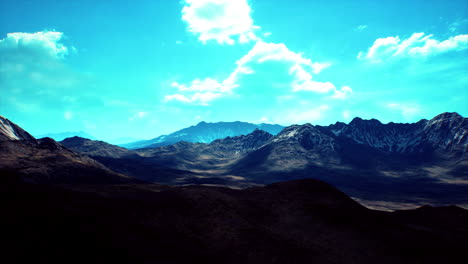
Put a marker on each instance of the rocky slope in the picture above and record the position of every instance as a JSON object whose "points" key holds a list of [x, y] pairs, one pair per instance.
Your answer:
{"points": [[11, 131], [46, 161]]}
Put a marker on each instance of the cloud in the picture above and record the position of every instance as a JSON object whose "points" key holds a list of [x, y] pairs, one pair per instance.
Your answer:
{"points": [[138, 115], [346, 114], [68, 115], [196, 98], [42, 45], [223, 21], [33, 55], [342, 93], [417, 45], [33, 69], [201, 91], [360, 27], [296, 72], [406, 110], [302, 115]]}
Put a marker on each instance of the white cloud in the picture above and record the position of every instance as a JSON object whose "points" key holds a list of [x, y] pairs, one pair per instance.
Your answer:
{"points": [[199, 98], [264, 120], [406, 110], [34, 70], [44, 44], [207, 84], [267, 34], [302, 115], [296, 65], [346, 114], [138, 115], [417, 45], [361, 27], [179, 42], [220, 20], [67, 115], [36, 58], [201, 91], [342, 93]]}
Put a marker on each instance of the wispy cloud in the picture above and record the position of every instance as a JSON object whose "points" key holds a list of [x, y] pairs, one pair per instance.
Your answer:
{"points": [[138, 115], [298, 71], [361, 27], [230, 22], [407, 110], [417, 45], [196, 98], [68, 115]]}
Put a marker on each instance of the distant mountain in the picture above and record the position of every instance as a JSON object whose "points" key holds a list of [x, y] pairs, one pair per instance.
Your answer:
{"points": [[64, 135], [205, 133], [46, 161], [140, 165], [180, 163], [94, 147]]}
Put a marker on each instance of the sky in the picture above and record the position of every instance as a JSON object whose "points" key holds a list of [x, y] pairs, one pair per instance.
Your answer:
{"points": [[146, 68]]}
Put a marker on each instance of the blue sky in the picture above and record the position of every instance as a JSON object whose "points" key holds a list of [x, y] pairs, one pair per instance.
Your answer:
{"points": [[145, 68]]}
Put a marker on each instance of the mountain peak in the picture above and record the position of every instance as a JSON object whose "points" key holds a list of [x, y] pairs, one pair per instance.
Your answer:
{"points": [[360, 121], [447, 115], [11, 131], [75, 139]]}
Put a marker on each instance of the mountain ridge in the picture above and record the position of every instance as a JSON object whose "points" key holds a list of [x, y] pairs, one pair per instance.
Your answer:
{"points": [[204, 132]]}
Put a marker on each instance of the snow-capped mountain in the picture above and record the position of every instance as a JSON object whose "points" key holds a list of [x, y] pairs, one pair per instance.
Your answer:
{"points": [[448, 131], [435, 148], [11, 131]]}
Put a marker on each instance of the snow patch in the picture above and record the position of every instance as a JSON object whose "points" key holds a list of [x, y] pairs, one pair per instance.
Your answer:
{"points": [[8, 130]]}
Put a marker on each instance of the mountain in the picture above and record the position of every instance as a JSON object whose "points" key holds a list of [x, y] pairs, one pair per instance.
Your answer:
{"points": [[72, 201], [370, 160], [94, 147], [180, 163], [305, 221], [46, 161], [366, 144], [64, 135], [11, 131], [205, 133], [378, 164], [448, 131]]}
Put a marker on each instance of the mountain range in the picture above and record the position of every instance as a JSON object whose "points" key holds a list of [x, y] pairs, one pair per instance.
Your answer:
{"points": [[204, 132], [368, 160], [82, 199]]}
